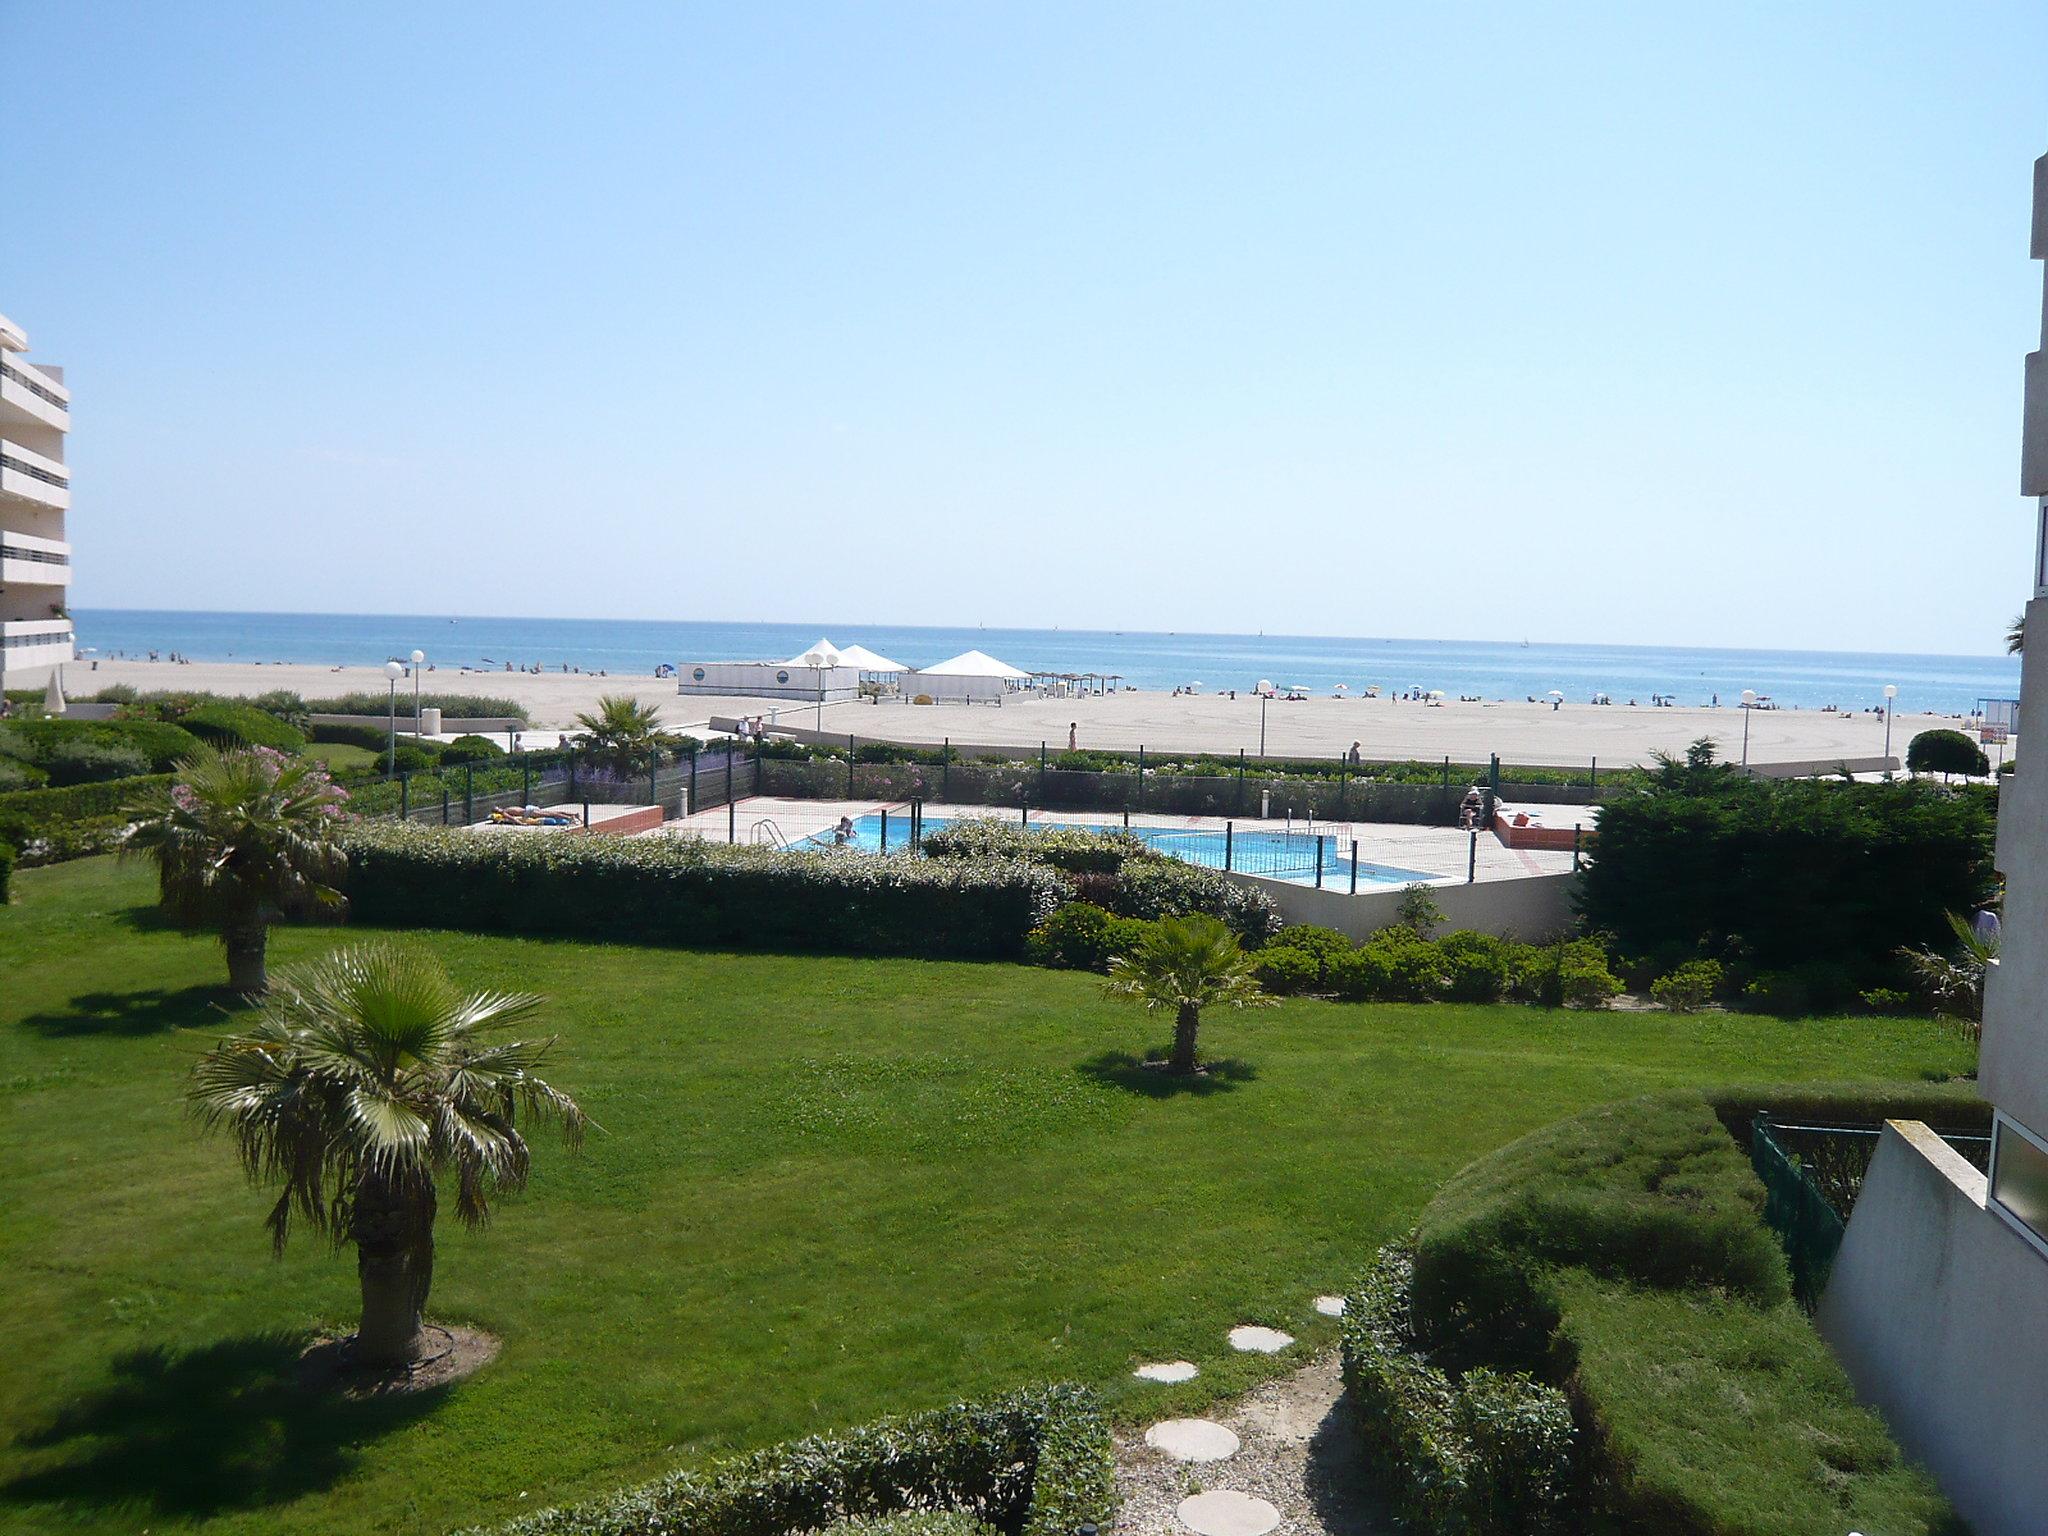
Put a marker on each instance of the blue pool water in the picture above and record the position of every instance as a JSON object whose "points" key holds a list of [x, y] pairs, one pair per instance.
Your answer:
{"points": [[1279, 854]]}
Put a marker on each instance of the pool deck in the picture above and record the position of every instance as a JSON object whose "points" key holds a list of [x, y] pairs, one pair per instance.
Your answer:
{"points": [[1440, 852]]}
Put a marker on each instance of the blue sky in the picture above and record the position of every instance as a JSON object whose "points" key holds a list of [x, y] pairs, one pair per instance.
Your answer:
{"points": [[1629, 323]]}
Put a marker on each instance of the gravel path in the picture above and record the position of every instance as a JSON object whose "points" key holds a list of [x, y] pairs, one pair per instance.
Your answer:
{"points": [[1299, 1452]]}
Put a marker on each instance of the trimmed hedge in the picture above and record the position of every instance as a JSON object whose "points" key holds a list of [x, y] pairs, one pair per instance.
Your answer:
{"points": [[678, 891], [241, 725], [7, 857], [47, 826], [455, 706], [1622, 1255], [1069, 848], [1486, 1454], [1036, 1463], [1081, 936], [161, 744]]}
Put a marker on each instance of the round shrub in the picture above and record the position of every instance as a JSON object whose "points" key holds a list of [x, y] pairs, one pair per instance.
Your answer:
{"points": [[1287, 971], [1689, 987], [1394, 965], [87, 761], [1080, 936], [412, 759], [471, 749], [1946, 752], [1476, 966], [240, 725]]}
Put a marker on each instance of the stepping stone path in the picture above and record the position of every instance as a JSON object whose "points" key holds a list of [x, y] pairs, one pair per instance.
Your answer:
{"points": [[1330, 1306], [1192, 1440], [1226, 1512], [1254, 1339], [1173, 1370]]}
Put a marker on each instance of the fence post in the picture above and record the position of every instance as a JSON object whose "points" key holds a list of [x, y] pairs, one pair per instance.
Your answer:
{"points": [[1227, 828], [732, 812], [1447, 770], [1578, 832], [1238, 808], [405, 795], [1041, 773], [1320, 840], [525, 780], [1354, 866], [946, 769], [849, 765], [885, 829], [1141, 778], [1594, 781], [468, 793], [1023, 815], [693, 781], [1472, 859]]}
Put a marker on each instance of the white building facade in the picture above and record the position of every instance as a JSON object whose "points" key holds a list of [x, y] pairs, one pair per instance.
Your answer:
{"points": [[1938, 1303], [36, 635]]}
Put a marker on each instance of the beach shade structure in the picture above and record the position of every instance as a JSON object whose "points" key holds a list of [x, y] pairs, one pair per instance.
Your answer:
{"points": [[970, 677], [1555, 693], [53, 696], [973, 664], [865, 660], [823, 654]]}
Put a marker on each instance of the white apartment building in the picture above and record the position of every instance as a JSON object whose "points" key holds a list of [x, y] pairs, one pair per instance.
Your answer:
{"points": [[36, 637]]}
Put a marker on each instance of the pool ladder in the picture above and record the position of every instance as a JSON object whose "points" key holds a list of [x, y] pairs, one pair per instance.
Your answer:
{"points": [[765, 831]]}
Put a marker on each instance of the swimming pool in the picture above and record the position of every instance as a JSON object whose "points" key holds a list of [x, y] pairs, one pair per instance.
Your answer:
{"points": [[1275, 853]]}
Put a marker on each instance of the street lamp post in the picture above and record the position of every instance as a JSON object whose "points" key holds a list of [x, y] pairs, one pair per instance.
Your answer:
{"points": [[1748, 703], [1265, 691], [816, 659], [393, 671], [417, 658], [1891, 691]]}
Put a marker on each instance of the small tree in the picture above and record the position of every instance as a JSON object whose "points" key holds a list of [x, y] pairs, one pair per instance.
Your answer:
{"points": [[1946, 752], [1187, 964], [2016, 636], [1418, 910], [623, 735], [1954, 980], [240, 839], [365, 1077]]}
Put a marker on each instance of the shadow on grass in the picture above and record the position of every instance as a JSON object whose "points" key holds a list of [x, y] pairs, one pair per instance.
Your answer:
{"points": [[1120, 1069], [227, 1426], [148, 1012]]}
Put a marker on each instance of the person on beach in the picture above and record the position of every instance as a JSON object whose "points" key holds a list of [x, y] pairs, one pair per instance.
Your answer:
{"points": [[1073, 734]]}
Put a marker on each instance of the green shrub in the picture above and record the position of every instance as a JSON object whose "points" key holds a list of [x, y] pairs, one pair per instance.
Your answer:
{"points": [[1946, 752], [16, 774], [1570, 973], [1621, 1252], [93, 762], [1081, 936], [1394, 965], [1886, 1000], [1484, 1454], [1067, 848], [161, 744], [471, 749], [1035, 1463], [1288, 972], [1320, 945], [241, 725], [1477, 967], [284, 703], [455, 706], [1785, 873], [371, 738], [412, 759], [7, 857], [913, 1522], [1689, 987], [1155, 886], [47, 826], [677, 891]]}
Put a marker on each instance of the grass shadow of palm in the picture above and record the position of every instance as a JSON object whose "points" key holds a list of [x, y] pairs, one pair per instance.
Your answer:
{"points": [[153, 1010], [1120, 1069], [226, 1426]]}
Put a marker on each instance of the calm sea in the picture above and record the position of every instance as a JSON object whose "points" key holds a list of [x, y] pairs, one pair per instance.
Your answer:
{"points": [[1807, 679]]}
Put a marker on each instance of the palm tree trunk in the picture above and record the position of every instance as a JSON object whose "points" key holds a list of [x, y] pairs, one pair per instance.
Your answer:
{"points": [[1184, 1025], [245, 943], [393, 1232]]}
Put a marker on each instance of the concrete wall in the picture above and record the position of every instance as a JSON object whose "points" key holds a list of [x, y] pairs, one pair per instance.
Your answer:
{"points": [[2013, 1062], [1531, 908], [486, 725], [1935, 1308]]}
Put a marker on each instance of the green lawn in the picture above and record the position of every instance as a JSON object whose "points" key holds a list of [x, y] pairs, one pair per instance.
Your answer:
{"points": [[826, 1189], [344, 757]]}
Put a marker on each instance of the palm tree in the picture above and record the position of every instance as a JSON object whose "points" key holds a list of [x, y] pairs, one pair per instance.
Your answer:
{"points": [[365, 1076], [2016, 636], [1955, 982], [242, 838], [624, 735], [1187, 964]]}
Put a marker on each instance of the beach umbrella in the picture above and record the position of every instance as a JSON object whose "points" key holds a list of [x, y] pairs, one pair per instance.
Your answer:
{"points": [[1556, 693], [1341, 688]]}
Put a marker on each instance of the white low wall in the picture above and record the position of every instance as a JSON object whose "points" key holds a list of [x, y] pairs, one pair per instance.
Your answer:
{"points": [[1530, 908], [768, 680], [1935, 1308]]}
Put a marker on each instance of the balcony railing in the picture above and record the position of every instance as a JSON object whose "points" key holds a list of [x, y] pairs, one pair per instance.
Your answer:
{"points": [[35, 385], [22, 466], [38, 556]]}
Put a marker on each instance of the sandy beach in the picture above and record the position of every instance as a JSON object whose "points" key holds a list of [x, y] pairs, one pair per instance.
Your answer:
{"points": [[1520, 732]]}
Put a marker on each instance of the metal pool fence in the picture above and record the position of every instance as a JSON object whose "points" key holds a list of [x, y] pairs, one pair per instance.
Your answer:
{"points": [[460, 794]]}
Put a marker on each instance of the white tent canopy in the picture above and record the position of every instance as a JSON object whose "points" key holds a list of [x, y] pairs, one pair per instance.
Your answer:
{"points": [[868, 661], [974, 664], [827, 654]]}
